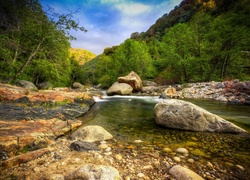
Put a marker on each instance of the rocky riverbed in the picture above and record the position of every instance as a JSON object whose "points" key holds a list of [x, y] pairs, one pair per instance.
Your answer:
{"points": [[35, 145]]}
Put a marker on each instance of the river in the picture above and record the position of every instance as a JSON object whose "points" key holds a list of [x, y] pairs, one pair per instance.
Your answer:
{"points": [[130, 118]]}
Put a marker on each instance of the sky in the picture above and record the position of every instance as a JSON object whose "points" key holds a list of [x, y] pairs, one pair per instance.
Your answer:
{"points": [[110, 22]]}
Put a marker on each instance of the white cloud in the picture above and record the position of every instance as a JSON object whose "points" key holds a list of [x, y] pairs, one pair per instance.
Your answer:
{"points": [[132, 9]]}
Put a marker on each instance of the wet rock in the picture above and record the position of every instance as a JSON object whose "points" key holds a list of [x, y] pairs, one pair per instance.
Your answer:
{"points": [[91, 134], [163, 96], [133, 80], [23, 158], [95, 172], [83, 146], [184, 115], [119, 89], [180, 173]]}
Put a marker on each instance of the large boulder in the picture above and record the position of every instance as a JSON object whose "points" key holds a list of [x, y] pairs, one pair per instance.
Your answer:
{"points": [[181, 173], [91, 134], [119, 89], [133, 80], [26, 84], [170, 92], [95, 172], [178, 114]]}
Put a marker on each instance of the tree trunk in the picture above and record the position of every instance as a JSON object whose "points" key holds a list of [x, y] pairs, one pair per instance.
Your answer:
{"points": [[32, 55]]}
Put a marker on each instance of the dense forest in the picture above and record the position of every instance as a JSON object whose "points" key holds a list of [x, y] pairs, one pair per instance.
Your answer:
{"points": [[35, 45], [199, 40]]}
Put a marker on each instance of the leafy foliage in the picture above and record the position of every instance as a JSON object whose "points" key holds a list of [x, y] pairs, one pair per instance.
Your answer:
{"points": [[200, 40], [33, 46]]}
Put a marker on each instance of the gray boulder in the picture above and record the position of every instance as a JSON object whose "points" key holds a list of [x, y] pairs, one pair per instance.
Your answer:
{"points": [[83, 146], [45, 85], [180, 173], [95, 172], [77, 85], [178, 114], [91, 134], [26, 84], [119, 89]]}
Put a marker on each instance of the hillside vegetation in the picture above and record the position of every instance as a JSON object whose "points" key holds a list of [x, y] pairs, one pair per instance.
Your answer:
{"points": [[199, 40]]}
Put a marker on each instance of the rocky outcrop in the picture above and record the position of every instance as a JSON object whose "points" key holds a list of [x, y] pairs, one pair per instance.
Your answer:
{"points": [[133, 80], [178, 114], [91, 134], [94, 172], [23, 136], [119, 89], [181, 173]]}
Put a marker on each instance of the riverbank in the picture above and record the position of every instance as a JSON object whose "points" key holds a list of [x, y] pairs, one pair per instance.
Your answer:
{"points": [[235, 92]]}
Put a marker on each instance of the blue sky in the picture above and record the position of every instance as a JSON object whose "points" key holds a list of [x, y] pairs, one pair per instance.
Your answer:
{"points": [[110, 22]]}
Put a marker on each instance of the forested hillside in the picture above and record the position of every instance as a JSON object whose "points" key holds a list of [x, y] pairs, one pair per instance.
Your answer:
{"points": [[34, 46], [200, 40]]}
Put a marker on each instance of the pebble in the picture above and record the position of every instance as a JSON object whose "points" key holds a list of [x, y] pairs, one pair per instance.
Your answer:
{"points": [[182, 151], [239, 167], [191, 161], [138, 141], [140, 175], [177, 159], [108, 153], [210, 165], [167, 150], [118, 157], [103, 146], [108, 149]]}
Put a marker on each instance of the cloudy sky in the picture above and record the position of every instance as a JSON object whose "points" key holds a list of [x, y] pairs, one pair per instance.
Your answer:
{"points": [[110, 22]]}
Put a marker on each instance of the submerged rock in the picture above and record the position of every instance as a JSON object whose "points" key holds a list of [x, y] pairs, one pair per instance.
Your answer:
{"points": [[178, 114], [181, 173], [83, 146], [91, 134], [94, 172]]}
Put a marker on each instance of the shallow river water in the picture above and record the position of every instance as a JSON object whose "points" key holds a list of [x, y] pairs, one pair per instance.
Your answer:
{"points": [[130, 118]]}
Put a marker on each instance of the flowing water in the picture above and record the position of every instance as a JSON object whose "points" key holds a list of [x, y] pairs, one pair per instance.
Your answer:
{"points": [[130, 118]]}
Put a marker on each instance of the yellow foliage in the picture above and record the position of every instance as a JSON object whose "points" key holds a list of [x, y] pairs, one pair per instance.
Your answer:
{"points": [[81, 55]]}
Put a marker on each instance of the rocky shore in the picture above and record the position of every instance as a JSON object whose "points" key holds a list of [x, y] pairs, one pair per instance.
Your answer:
{"points": [[34, 141]]}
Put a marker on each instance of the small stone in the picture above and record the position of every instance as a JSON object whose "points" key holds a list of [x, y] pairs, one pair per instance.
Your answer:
{"points": [[138, 141], [190, 161], [167, 150], [56, 177], [182, 151], [108, 149], [140, 175], [177, 159], [118, 157], [108, 153], [103, 146], [210, 165], [147, 167], [239, 167]]}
